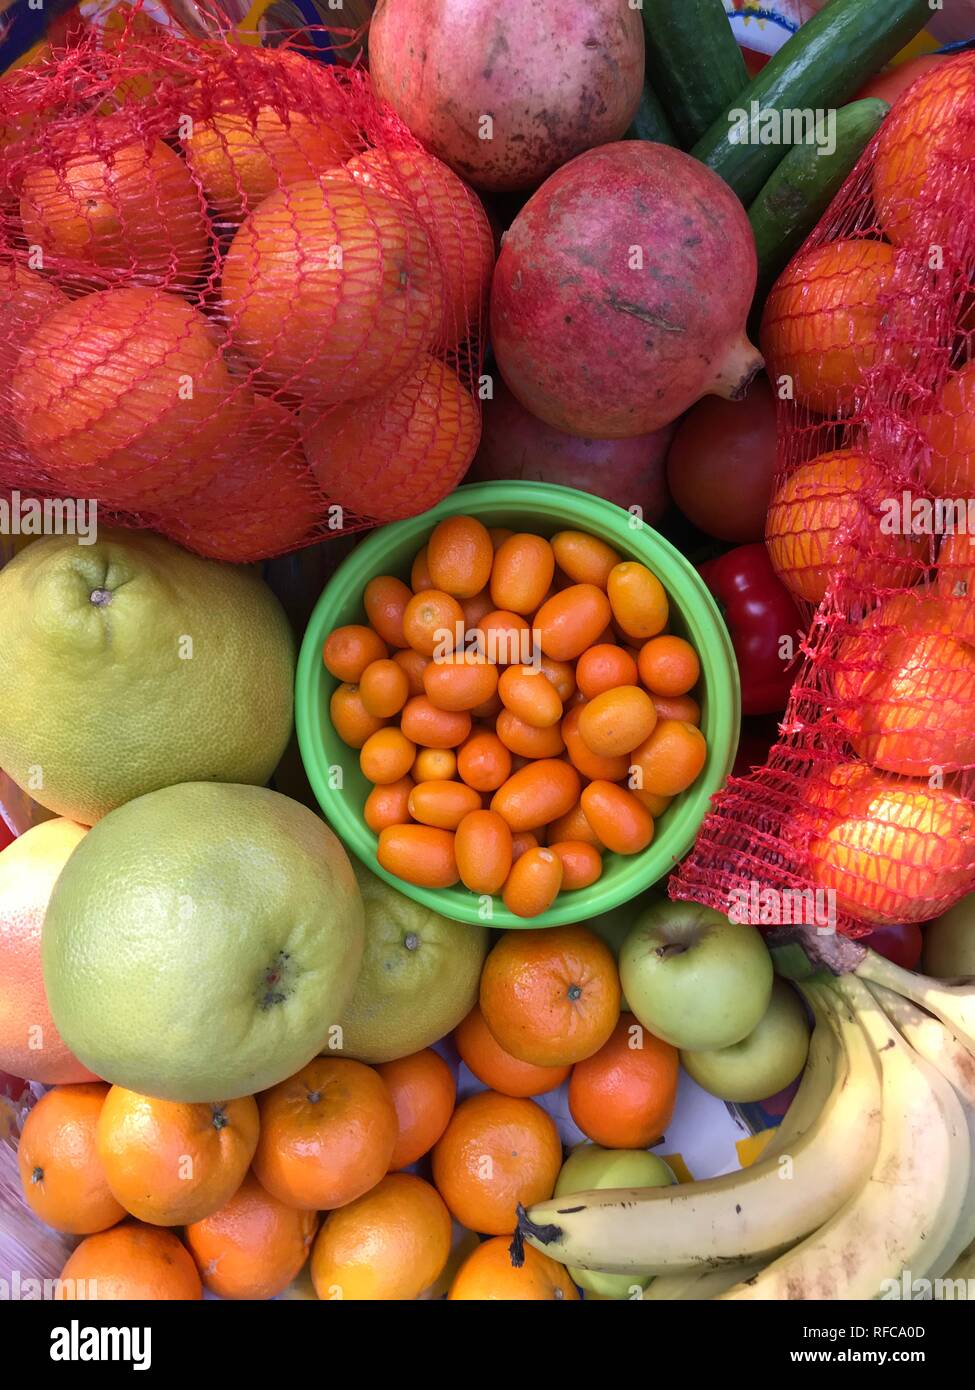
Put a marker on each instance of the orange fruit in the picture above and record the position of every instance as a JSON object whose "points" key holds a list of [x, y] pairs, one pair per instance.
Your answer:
{"points": [[423, 1090], [26, 300], [488, 1273], [388, 805], [483, 761], [443, 804], [522, 573], [386, 756], [583, 558], [533, 883], [571, 620], [460, 681], [30, 1045], [434, 765], [484, 1056], [351, 720], [455, 219], [906, 683], [638, 600], [824, 323], [171, 1163], [892, 851], [103, 399], [384, 688], [348, 650], [460, 556], [61, 1174], [391, 1243], [582, 863], [421, 854], [497, 1152], [667, 763], [528, 740], [239, 157], [950, 431], [528, 695], [623, 1096], [483, 850], [130, 1262], [253, 1246], [614, 722], [618, 818], [537, 794], [385, 598], [429, 727], [262, 502], [921, 187], [116, 203], [821, 524], [400, 453], [604, 667], [550, 997], [333, 291], [327, 1134], [668, 666]]}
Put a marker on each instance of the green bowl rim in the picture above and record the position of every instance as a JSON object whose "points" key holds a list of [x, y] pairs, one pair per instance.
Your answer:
{"points": [[700, 616]]}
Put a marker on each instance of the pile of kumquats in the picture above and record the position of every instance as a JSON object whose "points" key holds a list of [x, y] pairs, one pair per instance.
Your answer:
{"points": [[520, 710]]}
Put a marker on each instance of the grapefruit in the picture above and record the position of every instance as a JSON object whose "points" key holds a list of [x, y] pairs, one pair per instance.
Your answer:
{"points": [[118, 204], [419, 976], [332, 289], [399, 454], [205, 943], [29, 1042], [123, 395], [130, 664], [262, 502]]}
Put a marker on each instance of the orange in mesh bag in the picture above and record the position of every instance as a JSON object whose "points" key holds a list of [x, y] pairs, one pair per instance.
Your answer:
{"points": [[239, 304], [865, 811]]}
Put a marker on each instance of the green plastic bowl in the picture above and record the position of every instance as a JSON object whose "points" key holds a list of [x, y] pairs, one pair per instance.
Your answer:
{"points": [[543, 508]]}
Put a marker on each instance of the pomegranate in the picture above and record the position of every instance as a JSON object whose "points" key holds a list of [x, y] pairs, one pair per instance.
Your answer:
{"points": [[621, 292]]}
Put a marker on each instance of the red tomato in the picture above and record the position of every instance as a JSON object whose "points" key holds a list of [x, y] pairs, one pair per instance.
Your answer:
{"points": [[721, 462], [901, 944]]}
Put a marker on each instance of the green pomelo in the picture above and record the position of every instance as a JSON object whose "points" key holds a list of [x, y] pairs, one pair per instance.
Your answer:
{"points": [[420, 975], [130, 664], [204, 943]]}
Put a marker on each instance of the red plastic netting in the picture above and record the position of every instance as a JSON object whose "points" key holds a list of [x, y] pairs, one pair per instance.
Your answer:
{"points": [[239, 303], [864, 813]]}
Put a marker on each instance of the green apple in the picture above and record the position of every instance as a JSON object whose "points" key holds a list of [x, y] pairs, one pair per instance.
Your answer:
{"points": [[590, 1168], [693, 977], [949, 942], [765, 1062]]}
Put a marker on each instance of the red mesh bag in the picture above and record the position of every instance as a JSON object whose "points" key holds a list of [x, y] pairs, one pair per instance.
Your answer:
{"points": [[239, 303], [865, 811]]}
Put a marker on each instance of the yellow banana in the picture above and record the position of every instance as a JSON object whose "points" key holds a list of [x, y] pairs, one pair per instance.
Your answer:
{"points": [[953, 1004], [907, 1208], [749, 1215]]}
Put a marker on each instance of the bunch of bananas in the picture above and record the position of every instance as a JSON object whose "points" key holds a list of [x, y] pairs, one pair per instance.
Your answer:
{"points": [[869, 1178]]}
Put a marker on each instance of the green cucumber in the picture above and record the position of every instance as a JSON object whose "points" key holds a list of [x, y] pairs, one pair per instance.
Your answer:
{"points": [[803, 186], [820, 67], [693, 62], [650, 121]]}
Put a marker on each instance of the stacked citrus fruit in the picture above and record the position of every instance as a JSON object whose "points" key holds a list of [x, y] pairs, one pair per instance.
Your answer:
{"points": [[235, 1197], [245, 317], [519, 708]]}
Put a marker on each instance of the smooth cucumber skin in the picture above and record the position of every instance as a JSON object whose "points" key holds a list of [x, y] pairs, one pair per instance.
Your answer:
{"points": [[650, 122], [804, 184], [821, 66], [693, 62]]}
